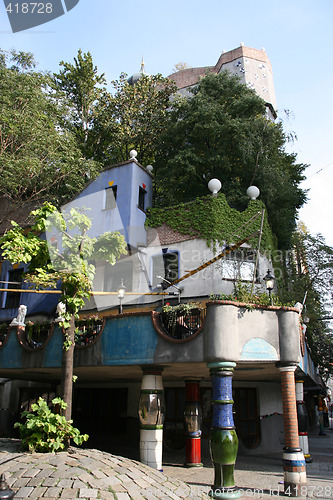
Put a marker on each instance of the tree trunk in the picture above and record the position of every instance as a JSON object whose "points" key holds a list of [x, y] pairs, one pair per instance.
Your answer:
{"points": [[67, 370]]}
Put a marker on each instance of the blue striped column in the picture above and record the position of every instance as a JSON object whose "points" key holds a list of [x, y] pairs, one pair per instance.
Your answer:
{"points": [[223, 439]]}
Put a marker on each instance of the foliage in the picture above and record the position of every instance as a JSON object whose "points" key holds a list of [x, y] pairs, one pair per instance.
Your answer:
{"points": [[38, 329], [212, 219], [134, 117], [3, 332], [87, 329], [222, 131], [44, 431], [83, 87], [65, 256], [171, 313], [33, 140], [180, 66], [243, 293], [3, 328], [308, 276], [63, 259]]}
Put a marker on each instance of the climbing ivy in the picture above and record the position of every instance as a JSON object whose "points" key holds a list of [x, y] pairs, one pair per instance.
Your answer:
{"points": [[212, 219]]}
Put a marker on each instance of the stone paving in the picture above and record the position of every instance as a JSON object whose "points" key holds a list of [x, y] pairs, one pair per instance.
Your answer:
{"points": [[85, 474], [93, 474]]}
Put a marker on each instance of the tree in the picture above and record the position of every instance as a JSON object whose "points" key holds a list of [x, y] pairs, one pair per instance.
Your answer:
{"points": [[134, 117], [308, 276], [83, 87], [222, 131], [39, 159], [180, 66], [64, 257]]}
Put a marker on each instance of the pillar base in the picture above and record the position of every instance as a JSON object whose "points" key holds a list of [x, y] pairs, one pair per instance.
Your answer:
{"points": [[151, 448], [190, 466], [294, 472], [293, 490], [224, 492]]}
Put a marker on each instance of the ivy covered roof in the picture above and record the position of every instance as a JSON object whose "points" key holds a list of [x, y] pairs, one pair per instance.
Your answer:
{"points": [[212, 219]]}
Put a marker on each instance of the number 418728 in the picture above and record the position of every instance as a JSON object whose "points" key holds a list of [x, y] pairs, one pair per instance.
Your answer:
{"points": [[29, 8]]}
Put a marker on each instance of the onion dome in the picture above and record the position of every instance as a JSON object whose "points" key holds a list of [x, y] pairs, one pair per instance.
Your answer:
{"points": [[136, 77]]}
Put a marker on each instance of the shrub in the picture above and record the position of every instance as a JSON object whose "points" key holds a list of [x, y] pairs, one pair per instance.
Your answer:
{"points": [[44, 431]]}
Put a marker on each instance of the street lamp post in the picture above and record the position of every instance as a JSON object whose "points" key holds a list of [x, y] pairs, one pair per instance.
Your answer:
{"points": [[269, 280], [121, 295]]}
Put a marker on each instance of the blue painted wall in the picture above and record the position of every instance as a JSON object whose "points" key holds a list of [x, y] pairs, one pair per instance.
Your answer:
{"points": [[126, 217], [125, 340], [129, 340]]}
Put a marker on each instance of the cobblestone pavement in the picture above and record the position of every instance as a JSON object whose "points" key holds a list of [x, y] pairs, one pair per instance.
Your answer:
{"points": [[94, 474], [85, 474]]}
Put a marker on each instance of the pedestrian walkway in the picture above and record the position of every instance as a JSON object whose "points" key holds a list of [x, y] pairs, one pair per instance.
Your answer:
{"points": [[262, 476], [94, 474]]}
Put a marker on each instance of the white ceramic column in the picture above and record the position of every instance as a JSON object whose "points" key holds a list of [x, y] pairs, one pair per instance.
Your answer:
{"points": [[151, 415]]}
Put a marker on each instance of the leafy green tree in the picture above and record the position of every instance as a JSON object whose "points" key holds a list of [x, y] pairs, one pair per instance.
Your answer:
{"points": [[133, 117], [39, 159], [222, 131], [83, 87], [308, 277], [63, 259]]}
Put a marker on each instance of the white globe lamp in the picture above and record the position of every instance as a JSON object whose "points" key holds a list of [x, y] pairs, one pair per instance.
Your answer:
{"points": [[214, 185], [253, 192]]}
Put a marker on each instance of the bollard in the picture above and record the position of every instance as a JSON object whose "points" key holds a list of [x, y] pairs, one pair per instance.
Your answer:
{"points": [[5, 491]]}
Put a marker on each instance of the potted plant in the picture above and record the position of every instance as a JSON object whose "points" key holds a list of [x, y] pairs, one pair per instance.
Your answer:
{"points": [[181, 321]]}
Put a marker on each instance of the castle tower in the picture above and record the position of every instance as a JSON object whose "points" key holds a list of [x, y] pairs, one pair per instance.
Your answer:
{"points": [[252, 66]]}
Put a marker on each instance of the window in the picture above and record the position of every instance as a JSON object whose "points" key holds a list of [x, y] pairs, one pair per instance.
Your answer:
{"points": [[110, 197], [165, 265], [239, 265], [114, 275], [142, 198], [15, 282]]}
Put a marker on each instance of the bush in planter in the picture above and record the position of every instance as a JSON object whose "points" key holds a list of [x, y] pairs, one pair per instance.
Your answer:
{"points": [[37, 333], [44, 431], [87, 329], [3, 332], [171, 314]]}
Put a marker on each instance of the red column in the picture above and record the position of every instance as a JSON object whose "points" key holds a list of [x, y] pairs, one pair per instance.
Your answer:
{"points": [[193, 418]]}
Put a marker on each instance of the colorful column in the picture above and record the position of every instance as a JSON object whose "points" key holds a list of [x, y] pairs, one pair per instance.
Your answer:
{"points": [[151, 415], [293, 459], [223, 439], [302, 417], [193, 420]]}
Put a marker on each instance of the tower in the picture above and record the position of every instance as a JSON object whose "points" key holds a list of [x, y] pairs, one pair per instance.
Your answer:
{"points": [[252, 66]]}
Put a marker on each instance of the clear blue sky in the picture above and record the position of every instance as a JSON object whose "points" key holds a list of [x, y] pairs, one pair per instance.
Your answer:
{"points": [[297, 36]]}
